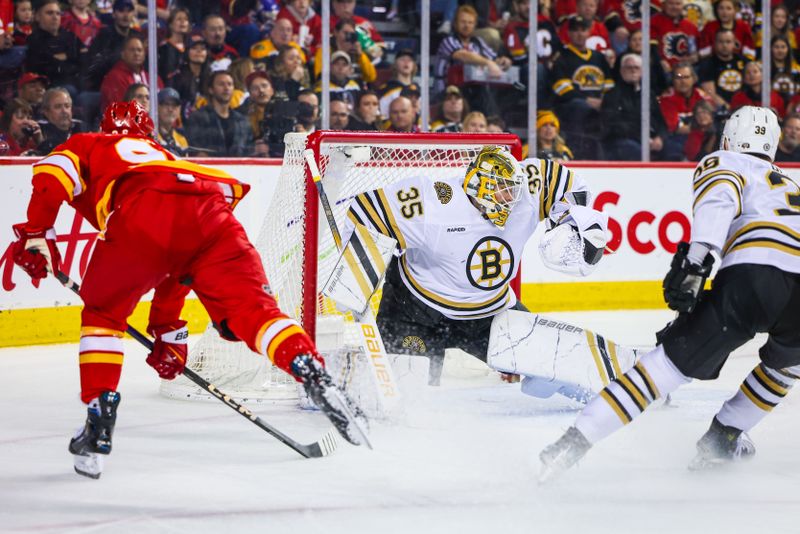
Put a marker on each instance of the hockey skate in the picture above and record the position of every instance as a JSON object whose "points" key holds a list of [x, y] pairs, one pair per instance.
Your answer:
{"points": [[721, 445], [345, 415], [563, 454], [93, 441]]}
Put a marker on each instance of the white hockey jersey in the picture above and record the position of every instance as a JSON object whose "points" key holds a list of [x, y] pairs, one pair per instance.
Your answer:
{"points": [[451, 257], [748, 210]]}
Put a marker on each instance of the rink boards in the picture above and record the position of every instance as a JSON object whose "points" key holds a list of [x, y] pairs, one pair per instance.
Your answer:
{"points": [[649, 209]]}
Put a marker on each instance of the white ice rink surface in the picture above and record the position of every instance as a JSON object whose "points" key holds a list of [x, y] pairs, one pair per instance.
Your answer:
{"points": [[464, 460]]}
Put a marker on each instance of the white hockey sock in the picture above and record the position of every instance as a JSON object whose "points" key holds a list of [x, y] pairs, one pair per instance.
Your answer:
{"points": [[629, 395], [762, 390]]}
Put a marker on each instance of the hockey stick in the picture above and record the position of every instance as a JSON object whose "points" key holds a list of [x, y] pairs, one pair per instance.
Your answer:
{"points": [[379, 364], [323, 447]]}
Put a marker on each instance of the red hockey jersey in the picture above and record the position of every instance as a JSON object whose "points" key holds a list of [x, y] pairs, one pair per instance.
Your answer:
{"points": [[741, 31], [84, 170], [677, 39]]}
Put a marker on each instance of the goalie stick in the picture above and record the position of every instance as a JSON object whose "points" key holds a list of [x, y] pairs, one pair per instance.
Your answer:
{"points": [[323, 447], [381, 368]]}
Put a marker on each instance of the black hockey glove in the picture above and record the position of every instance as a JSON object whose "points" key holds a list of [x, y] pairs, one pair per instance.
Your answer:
{"points": [[685, 280]]}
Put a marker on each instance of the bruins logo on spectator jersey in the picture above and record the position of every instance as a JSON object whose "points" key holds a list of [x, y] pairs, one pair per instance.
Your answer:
{"points": [[730, 80], [589, 78], [443, 191], [676, 45], [490, 263]]}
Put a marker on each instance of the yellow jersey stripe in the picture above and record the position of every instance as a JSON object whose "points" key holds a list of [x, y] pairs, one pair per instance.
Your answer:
{"points": [[711, 185], [387, 210], [100, 331], [101, 209], [100, 357], [648, 381], [633, 391], [612, 351], [601, 370], [760, 225], [716, 174], [768, 383], [367, 239], [364, 202], [616, 406], [185, 166], [59, 174], [280, 337], [76, 164], [361, 280], [750, 394], [260, 334]]}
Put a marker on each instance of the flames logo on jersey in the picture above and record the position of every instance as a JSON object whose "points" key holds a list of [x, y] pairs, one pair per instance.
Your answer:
{"points": [[632, 10], [589, 78], [443, 192], [730, 80], [490, 263], [676, 45]]}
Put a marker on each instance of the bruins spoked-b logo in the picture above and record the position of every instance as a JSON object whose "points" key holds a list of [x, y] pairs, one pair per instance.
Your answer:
{"points": [[443, 191], [490, 263]]}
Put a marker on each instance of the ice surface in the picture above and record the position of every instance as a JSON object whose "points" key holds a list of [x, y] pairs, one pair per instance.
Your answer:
{"points": [[463, 460]]}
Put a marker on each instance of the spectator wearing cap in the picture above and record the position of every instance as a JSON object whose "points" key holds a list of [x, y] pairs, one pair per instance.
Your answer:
{"points": [[54, 52], [21, 132], [31, 88], [622, 116], [58, 124], [128, 70], [306, 23], [581, 78], [266, 51], [342, 83], [366, 115], [345, 10], [401, 116], [193, 74], [549, 144], [257, 109], [462, 48], [451, 113], [214, 32], [345, 39], [173, 48], [404, 69], [81, 20], [289, 75], [169, 110], [107, 46], [216, 129]]}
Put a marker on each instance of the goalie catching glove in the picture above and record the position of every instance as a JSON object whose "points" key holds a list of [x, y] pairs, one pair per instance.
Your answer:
{"points": [[36, 252], [170, 348], [685, 280], [576, 245]]}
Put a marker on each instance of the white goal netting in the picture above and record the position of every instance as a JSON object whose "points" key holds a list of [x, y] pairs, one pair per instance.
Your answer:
{"points": [[298, 251]]}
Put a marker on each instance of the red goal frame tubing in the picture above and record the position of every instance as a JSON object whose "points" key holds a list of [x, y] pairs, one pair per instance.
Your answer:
{"points": [[314, 142]]}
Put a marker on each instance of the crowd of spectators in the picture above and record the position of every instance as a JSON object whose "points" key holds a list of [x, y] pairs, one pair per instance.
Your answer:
{"points": [[235, 76]]}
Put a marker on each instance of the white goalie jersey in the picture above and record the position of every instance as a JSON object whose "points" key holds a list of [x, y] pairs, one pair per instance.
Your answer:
{"points": [[748, 210], [450, 256]]}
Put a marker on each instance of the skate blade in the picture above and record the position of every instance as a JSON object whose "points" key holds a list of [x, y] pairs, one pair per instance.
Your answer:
{"points": [[356, 423], [89, 465]]}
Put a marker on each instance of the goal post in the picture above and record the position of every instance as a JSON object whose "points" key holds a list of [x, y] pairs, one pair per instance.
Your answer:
{"points": [[298, 251]]}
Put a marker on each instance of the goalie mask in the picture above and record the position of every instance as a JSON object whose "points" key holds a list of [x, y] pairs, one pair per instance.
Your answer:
{"points": [[494, 181], [752, 130]]}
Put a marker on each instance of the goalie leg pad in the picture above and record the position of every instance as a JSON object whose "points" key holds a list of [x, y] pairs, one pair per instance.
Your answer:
{"points": [[571, 359]]}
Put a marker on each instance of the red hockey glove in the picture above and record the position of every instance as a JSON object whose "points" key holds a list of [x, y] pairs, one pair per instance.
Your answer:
{"points": [[169, 350], [36, 252]]}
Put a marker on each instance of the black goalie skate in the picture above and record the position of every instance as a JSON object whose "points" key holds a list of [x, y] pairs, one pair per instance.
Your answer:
{"points": [[94, 439], [563, 454], [346, 417], [721, 445]]}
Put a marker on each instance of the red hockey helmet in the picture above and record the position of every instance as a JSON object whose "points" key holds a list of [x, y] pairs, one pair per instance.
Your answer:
{"points": [[126, 118]]}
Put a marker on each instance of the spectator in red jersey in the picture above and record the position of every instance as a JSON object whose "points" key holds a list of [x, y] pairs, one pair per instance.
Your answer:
{"points": [[789, 145], [785, 70], [598, 34], [81, 20], [623, 18], [23, 21], [31, 88], [676, 36], [721, 74], [128, 70], [214, 32], [105, 50], [345, 9], [21, 132], [704, 135], [750, 95], [266, 51], [54, 52], [725, 13], [306, 23], [172, 49], [677, 105], [401, 116]]}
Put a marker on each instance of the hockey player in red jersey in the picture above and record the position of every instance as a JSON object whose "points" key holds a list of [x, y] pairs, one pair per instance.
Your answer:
{"points": [[165, 224]]}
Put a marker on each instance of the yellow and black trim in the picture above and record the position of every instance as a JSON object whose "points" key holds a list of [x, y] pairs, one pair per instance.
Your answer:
{"points": [[370, 213], [648, 382], [633, 391], [711, 180], [113, 358], [738, 241], [386, 209], [757, 399], [775, 387], [617, 406]]}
